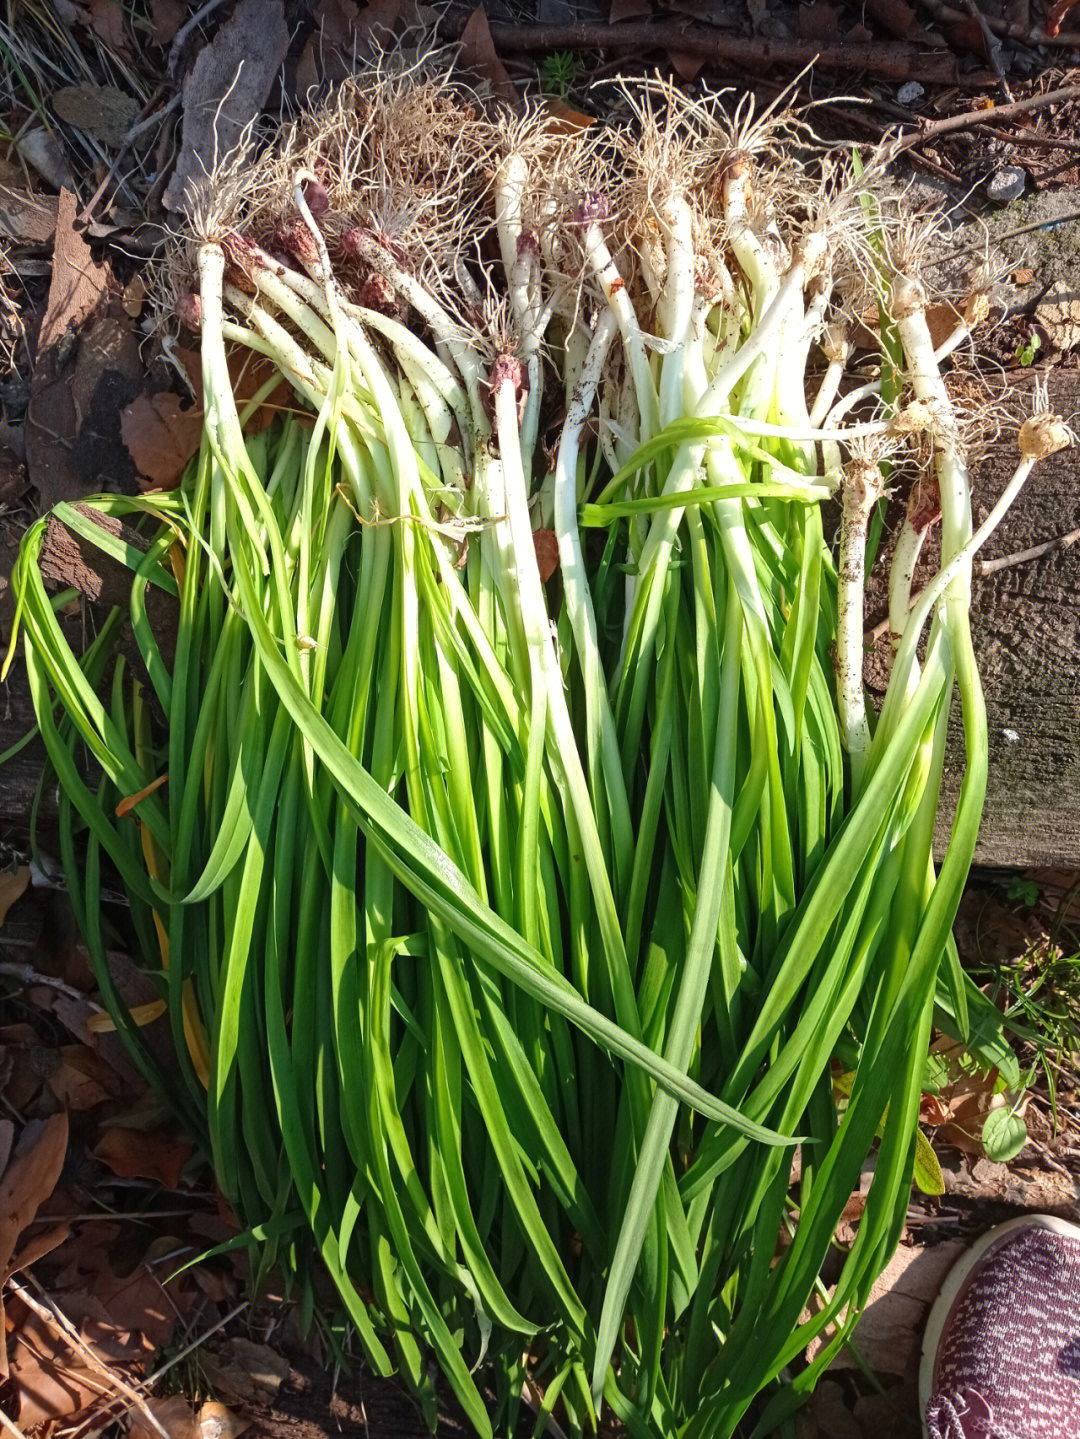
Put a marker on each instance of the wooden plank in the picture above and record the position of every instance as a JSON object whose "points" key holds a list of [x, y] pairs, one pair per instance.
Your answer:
{"points": [[1026, 626]]}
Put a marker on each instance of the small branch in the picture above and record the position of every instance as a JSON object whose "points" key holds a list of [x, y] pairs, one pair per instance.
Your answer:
{"points": [[993, 46], [59, 1322], [1026, 34], [1061, 542], [29, 975], [991, 116], [889, 61]]}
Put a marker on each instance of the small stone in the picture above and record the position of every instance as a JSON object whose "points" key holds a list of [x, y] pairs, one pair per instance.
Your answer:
{"points": [[909, 93], [1007, 184]]}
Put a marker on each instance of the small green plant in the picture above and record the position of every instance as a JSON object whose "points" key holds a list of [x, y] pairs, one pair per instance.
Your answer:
{"points": [[1029, 348], [559, 72], [1023, 891]]}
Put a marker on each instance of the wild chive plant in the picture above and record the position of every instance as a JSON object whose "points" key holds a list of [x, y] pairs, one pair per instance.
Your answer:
{"points": [[511, 930]]}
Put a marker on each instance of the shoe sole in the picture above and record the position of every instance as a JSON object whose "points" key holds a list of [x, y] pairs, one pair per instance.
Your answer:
{"points": [[954, 1283]]}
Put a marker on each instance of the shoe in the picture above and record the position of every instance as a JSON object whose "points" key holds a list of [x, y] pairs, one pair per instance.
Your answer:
{"points": [[1001, 1353]]}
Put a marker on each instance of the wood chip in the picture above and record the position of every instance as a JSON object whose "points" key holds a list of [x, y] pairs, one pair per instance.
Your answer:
{"points": [[26, 218], [225, 91]]}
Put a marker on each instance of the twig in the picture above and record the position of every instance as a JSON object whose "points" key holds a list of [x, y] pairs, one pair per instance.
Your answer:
{"points": [[993, 45], [992, 115], [1020, 230], [1042, 142], [162, 1369], [1061, 542], [177, 47], [891, 62], [51, 1315], [988, 567], [1027, 35], [12, 1428], [29, 975]]}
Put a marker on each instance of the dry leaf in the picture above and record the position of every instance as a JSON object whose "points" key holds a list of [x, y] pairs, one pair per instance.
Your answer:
{"points": [[25, 218], [134, 296], [99, 110], [161, 436], [82, 1079], [13, 884], [687, 64], [224, 92], [818, 21], [135, 1154], [128, 803], [174, 1414], [107, 22], [567, 120], [7, 1135], [245, 1372], [622, 10], [30, 1177], [43, 150], [896, 16], [167, 17], [49, 1383], [477, 53], [547, 553]]}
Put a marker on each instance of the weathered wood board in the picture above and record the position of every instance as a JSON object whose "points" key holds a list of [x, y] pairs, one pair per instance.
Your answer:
{"points": [[1026, 624], [1026, 627]]}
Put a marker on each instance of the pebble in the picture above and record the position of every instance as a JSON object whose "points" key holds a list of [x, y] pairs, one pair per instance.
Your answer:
{"points": [[1007, 184], [909, 93]]}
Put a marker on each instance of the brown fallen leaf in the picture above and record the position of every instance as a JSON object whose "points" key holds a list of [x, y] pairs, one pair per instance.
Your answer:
{"points": [[244, 1372], [42, 149], [82, 1079], [135, 1154], [687, 64], [49, 1383], [166, 16], [224, 92], [819, 21], [107, 22], [622, 10], [218, 1422], [174, 1414], [13, 884], [26, 218], [161, 436], [896, 16], [29, 1179], [547, 553], [477, 53]]}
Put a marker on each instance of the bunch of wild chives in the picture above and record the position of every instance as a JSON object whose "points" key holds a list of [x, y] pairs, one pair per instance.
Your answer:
{"points": [[512, 928]]}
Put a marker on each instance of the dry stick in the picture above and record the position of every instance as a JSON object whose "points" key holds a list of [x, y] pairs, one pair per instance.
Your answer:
{"points": [[11, 1427], [993, 46], [889, 61], [51, 1315], [1027, 35], [1060, 542], [990, 116], [162, 1369]]}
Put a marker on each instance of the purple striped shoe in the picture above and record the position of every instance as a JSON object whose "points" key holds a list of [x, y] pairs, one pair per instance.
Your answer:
{"points": [[1001, 1353]]}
